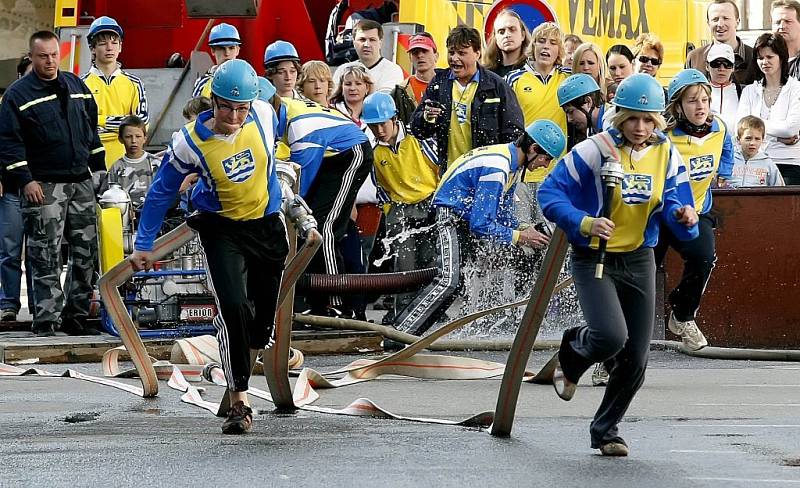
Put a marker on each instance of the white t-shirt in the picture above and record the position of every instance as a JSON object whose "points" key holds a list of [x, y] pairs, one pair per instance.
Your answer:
{"points": [[385, 75]]}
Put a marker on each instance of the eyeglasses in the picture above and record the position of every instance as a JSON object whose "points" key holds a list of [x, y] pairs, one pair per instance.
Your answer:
{"points": [[721, 63], [653, 61], [240, 111]]}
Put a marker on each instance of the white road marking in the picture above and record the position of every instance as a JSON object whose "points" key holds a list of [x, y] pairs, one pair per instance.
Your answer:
{"points": [[764, 386], [698, 451], [745, 480], [747, 404], [742, 426]]}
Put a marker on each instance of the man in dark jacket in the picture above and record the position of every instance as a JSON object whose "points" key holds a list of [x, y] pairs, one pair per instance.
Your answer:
{"points": [[466, 106], [48, 143]]}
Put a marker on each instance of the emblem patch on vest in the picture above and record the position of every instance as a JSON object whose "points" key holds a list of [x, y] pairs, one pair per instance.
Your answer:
{"points": [[637, 188], [240, 166]]}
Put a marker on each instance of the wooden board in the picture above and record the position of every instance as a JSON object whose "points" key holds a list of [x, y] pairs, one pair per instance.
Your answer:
{"points": [[15, 347]]}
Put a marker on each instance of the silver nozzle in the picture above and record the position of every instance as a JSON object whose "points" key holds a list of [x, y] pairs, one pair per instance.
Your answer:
{"points": [[300, 215], [612, 173]]}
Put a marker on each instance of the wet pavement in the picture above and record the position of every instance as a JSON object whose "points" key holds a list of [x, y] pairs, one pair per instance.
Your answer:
{"points": [[695, 423]]}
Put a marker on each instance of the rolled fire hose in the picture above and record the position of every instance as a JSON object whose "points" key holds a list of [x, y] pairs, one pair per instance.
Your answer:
{"points": [[378, 283]]}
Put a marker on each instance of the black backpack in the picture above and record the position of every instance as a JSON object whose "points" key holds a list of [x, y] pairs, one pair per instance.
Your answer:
{"points": [[405, 103]]}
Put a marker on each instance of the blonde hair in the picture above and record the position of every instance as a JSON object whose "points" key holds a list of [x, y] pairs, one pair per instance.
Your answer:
{"points": [[623, 114], [548, 30], [648, 40], [601, 61], [750, 122], [359, 72], [675, 112], [493, 57], [317, 69]]}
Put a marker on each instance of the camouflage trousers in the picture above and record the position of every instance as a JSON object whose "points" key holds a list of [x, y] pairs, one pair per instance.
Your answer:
{"points": [[69, 213]]}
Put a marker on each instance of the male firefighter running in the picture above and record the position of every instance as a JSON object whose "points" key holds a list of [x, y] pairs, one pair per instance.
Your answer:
{"points": [[241, 229]]}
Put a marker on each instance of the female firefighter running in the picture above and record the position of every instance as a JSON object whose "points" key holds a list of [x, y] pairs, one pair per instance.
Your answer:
{"points": [[619, 306]]}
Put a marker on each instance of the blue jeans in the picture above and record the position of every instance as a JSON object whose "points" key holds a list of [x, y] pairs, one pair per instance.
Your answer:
{"points": [[12, 238]]}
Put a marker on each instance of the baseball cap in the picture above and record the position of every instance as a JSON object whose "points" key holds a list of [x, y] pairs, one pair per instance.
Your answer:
{"points": [[419, 41], [720, 51]]}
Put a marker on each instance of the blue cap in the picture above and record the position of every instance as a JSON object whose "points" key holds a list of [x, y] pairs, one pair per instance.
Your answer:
{"points": [[683, 79], [224, 35], [640, 92], [280, 51], [548, 136], [576, 86], [266, 90], [103, 24], [235, 80], [378, 108]]}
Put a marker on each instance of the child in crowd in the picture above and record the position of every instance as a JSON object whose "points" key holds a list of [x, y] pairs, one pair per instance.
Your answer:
{"points": [[751, 166], [135, 170]]}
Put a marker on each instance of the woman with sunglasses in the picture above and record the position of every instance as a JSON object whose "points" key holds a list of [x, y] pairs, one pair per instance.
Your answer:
{"points": [[775, 98], [725, 90], [649, 54]]}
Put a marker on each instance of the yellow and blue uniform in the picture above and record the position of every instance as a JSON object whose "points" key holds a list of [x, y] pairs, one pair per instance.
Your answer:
{"points": [[460, 140], [706, 158], [313, 132], [202, 87], [479, 188], [538, 98], [237, 181], [117, 96], [407, 172], [655, 185]]}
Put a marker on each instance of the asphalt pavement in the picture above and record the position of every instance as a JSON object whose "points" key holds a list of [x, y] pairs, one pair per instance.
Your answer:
{"points": [[695, 423]]}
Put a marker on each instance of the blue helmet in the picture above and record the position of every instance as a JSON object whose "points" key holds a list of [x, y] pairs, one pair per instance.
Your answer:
{"points": [[280, 51], [378, 108], [103, 24], [224, 35], [683, 79], [548, 136], [576, 86], [266, 89], [235, 80], [640, 92]]}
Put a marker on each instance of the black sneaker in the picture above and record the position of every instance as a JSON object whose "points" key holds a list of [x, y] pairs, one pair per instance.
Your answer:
{"points": [[73, 327], [8, 315], [239, 421], [44, 330]]}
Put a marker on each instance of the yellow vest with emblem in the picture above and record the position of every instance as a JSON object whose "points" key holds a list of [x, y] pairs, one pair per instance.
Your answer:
{"points": [[638, 197], [701, 155], [239, 168]]}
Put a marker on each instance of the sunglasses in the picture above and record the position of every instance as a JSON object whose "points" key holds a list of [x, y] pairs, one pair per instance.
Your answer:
{"points": [[721, 63], [653, 61]]}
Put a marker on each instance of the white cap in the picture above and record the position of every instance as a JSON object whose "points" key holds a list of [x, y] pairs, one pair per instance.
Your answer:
{"points": [[720, 50]]}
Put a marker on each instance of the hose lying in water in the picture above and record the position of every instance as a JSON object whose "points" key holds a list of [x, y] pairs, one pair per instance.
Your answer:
{"points": [[378, 283]]}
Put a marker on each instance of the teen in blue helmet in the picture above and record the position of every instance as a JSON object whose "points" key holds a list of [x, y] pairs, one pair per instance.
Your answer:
{"points": [[378, 107], [475, 201], [619, 307], [237, 200], [225, 45], [706, 146], [266, 90], [580, 98], [282, 65]]}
